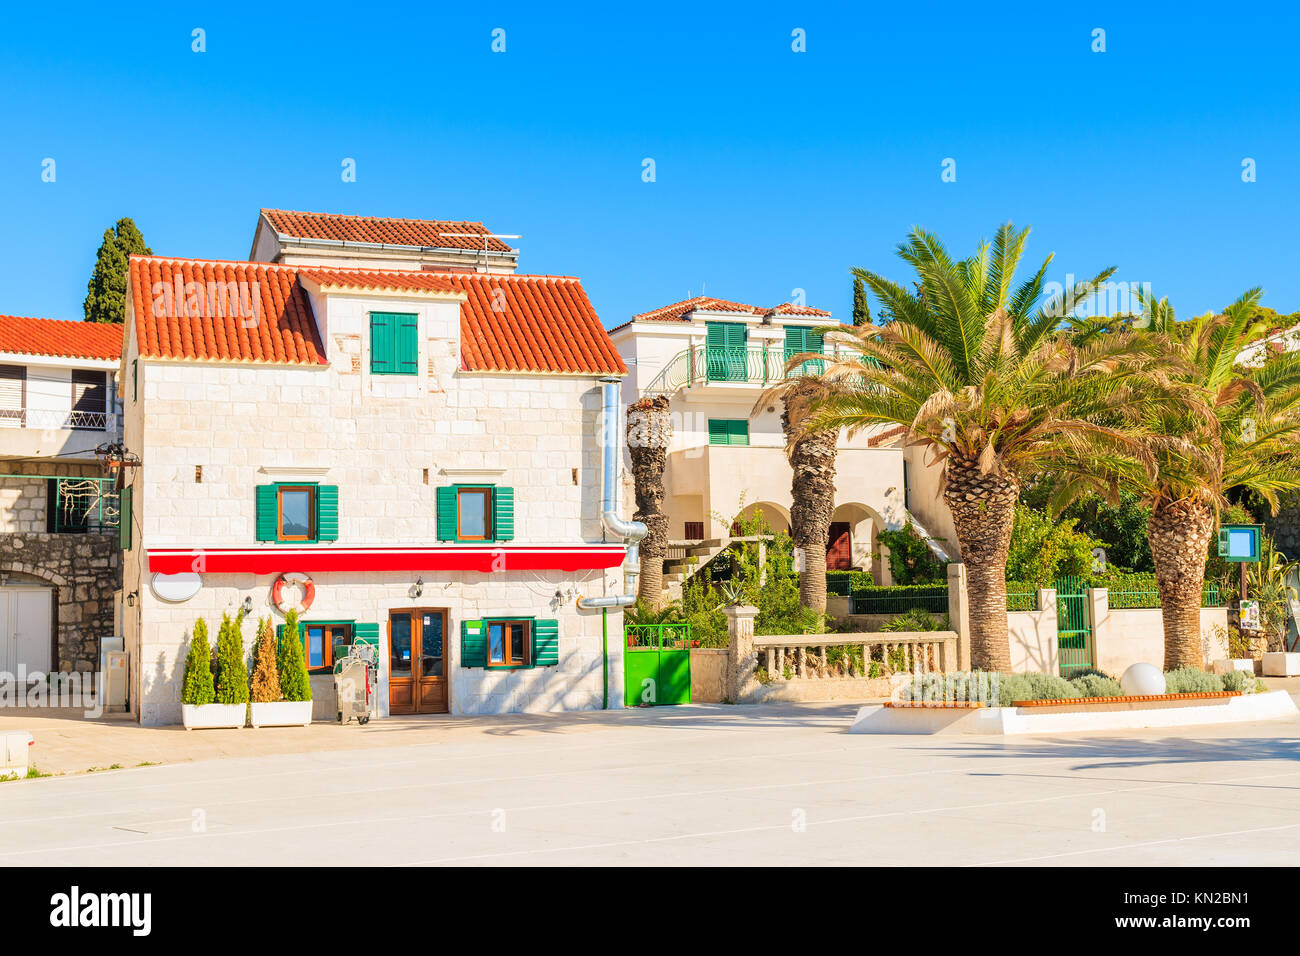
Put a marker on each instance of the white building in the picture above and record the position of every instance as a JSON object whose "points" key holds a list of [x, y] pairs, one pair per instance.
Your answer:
{"points": [[415, 453], [714, 359], [58, 514]]}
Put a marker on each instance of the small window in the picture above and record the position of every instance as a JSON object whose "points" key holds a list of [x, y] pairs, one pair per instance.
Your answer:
{"points": [[297, 512], [394, 343], [89, 400], [507, 643], [321, 643], [728, 431], [473, 514]]}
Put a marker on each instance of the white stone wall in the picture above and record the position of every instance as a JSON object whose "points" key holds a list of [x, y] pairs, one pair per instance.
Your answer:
{"points": [[575, 684], [23, 504], [385, 442]]}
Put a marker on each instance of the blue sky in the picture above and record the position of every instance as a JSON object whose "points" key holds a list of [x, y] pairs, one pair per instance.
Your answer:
{"points": [[775, 170]]}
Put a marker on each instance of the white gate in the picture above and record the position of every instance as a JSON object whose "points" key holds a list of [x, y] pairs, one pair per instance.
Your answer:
{"points": [[26, 614]]}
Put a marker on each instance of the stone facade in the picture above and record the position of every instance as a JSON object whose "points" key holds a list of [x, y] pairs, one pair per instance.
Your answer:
{"points": [[85, 569], [1285, 526], [209, 433], [23, 504]]}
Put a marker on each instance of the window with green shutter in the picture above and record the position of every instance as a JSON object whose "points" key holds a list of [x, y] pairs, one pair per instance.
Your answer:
{"points": [[799, 340], [475, 513], [394, 343], [511, 643], [124, 519], [724, 351], [297, 513], [728, 431]]}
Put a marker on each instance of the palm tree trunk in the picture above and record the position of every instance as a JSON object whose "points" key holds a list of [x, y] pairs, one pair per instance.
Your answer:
{"points": [[812, 493], [983, 510], [649, 430], [1179, 532]]}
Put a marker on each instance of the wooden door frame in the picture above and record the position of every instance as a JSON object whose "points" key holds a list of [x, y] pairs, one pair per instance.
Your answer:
{"points": [[446, 656]]}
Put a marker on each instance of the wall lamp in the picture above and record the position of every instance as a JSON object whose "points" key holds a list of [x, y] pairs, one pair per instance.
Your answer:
{"points": [[417, 588], [247, 606]]}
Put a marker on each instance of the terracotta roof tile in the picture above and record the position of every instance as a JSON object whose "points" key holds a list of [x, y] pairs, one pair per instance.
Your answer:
{"points": [[60, 338], [677, 311], [398, 232], [508, 323], [214, 311]]}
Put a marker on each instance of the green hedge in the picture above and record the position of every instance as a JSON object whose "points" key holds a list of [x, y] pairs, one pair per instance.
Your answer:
{"points": [[842, 582]]}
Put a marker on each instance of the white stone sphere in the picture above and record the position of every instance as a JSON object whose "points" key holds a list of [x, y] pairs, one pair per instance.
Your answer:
{"points": [[1142, 680]]}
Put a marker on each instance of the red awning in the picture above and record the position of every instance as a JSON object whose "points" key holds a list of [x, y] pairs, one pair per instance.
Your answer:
{"points": [[276, 560]]}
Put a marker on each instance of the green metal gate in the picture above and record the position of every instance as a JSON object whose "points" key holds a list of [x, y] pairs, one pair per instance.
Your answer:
{"points": [[656, 664], [1073, 627]]}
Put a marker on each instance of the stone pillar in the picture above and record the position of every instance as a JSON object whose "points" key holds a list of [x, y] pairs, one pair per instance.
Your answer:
{"points": [[886, 573], [959, 612], [1048, 630], [742, 659], [1098, 616]]}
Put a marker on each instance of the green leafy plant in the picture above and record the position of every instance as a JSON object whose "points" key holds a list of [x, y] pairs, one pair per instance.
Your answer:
{"points": [[1192, 680], [295, 684], [1014, 687], [1097, 685], [910, 559], [1043, 550], [264, 688], [1239, 681], [197, 687], [231, 683], [916, 620]]}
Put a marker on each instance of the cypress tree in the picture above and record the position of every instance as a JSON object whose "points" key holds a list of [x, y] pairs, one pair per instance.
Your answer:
{"points": [[264, 688], [232, 674], [861, 310], [106, 290], [197, 686], [294, 682]]}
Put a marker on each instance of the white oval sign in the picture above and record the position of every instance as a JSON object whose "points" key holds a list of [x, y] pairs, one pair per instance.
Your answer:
{"points": [[176, 587]]}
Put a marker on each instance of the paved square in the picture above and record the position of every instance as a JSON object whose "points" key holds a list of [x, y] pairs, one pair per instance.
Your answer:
{"points": [[781, 785]]}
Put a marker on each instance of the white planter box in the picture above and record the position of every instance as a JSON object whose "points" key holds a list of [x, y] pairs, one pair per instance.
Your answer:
{"points": [[1245, 664], [206, 716], [1281, 664], [15, 750], [282, 713]]}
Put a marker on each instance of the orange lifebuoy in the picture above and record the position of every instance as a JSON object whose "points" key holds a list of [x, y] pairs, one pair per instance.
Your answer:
{"points": [[296, 578]]}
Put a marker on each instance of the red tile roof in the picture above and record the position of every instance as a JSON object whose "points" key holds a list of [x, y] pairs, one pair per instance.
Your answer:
{"points": [[886, 437], [396, 232], [508, 323], [677, 311], [234, 312], [60, 338]]}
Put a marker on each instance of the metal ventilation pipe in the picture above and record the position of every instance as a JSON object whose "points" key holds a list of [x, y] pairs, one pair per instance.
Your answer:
{"points": [[631, 531]]}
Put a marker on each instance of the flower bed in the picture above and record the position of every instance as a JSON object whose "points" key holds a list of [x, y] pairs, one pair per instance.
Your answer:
{"points": [[1136, 699]]}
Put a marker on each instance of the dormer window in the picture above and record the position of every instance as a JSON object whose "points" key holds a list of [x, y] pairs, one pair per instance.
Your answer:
{"points": [[394, 343]]}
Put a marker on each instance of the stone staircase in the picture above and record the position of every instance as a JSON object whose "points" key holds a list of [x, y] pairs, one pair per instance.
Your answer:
{"points": [[687, 557]]}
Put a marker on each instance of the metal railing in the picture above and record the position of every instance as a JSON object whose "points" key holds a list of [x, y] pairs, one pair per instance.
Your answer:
{"points": [[54, 419], [749, 364], [1019, 600], [864, 601], [658, 637]]}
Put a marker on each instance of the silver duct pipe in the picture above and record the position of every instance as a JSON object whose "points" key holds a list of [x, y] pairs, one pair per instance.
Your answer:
{"points": [[631, 531]]}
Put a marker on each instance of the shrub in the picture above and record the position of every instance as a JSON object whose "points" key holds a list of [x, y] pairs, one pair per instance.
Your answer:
{"points": [[915, 620], [957, 686], [294, 682], [1097, 685], [842, 582], [197, 688], [1043, 550], [1192, 680], [1240, 681], [232, 673], [910, 559], [1014, 687], [264, 688]]}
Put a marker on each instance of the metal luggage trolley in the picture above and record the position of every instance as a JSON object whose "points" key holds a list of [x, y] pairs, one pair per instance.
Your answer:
{"points": [[355, 676]]}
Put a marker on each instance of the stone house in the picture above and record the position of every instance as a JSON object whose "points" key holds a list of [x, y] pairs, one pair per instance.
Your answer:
{"points": [[714, 358], [59, 556], [411, 454]]}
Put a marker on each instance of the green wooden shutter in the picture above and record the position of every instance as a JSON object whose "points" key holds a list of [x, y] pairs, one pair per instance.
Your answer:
{"points": [[794, 338], [738, 431], [365, 633], [327, 513], [406, 344], [473, 647], [447, 513], [381, 343], [266, 513], [503, 513], [719, 434], [124, 519], [546, 643]]}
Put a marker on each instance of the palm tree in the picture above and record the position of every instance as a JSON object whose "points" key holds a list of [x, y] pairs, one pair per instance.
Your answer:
{"points": [[1223, 426], [649, 430], [978, 369], [811, 453]]}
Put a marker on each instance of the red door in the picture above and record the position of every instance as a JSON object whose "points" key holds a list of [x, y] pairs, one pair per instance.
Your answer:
{"points": [[839, 552]]}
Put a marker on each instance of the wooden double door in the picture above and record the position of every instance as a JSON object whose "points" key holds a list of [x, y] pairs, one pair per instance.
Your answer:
{"points": [[417, 661]]}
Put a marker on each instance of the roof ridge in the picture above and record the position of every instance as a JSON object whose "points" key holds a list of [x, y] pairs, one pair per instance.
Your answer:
{"points": [[357, 215]]}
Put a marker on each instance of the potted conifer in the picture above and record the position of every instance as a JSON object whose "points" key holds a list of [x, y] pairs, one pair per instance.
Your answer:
{"points": [[295, 683], [199, 709], [231, 681], [269, 707]]}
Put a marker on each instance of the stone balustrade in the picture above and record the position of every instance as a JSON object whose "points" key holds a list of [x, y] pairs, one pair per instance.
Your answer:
{"points": [[839, 656]]}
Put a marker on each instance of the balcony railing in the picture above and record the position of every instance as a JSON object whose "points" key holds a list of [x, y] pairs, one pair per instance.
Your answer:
{"points": [[54, 419], [750, 364]]}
